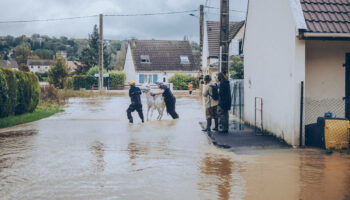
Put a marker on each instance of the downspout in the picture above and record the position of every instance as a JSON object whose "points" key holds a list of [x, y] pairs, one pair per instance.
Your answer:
{"points": [[245, 26]]}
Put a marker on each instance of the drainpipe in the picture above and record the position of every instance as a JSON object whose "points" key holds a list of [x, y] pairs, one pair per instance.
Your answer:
{"points": [[301, 114]]}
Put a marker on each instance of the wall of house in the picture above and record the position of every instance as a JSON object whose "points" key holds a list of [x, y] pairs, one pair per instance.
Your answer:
{"points": [[325, 78], [274, 68], [161, 76], [129, 67], [234, 44], [39, 68]]}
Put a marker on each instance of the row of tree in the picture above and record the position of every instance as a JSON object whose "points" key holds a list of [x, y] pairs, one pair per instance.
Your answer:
{"points": [[85, 51]]}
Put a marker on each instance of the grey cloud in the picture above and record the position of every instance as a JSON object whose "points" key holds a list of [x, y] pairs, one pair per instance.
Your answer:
{"points": [[157, 27]]}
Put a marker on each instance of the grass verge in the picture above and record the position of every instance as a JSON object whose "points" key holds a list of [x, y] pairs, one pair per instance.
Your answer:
{"points": [[42, 111]]}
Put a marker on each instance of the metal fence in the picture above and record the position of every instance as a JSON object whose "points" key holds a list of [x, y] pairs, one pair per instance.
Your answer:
{"points": [[317, 108], [237, 92]]}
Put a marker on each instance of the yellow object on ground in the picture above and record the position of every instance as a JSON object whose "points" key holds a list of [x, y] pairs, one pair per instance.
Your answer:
{"points": [[337, 134]]}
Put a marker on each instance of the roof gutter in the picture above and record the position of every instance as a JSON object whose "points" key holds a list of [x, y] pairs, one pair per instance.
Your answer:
{"points": [[327, 35]]}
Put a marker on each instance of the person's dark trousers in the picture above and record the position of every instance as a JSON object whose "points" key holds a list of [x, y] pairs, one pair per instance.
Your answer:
{"points": [[208, 125], [190, 92], [216, 120], [170, 107], [132, 108], [223, 120]]}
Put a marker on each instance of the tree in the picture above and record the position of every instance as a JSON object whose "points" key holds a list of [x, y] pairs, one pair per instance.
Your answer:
{"points": [[21, 53], [90, 56], [24, 67], [195, 46], [237, 67], [58, 73], [119, 64]]}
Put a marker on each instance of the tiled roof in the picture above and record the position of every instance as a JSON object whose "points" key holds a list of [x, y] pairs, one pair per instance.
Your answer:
{"points": [[40, 62], [327, 16], [213, 31], [8, 63], [164, 55]]}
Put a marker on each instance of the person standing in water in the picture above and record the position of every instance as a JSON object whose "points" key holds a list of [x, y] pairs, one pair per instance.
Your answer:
{"points": [[135, 96], [169, 99]]}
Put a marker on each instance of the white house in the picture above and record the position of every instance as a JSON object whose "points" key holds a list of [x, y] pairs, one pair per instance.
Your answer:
{"points": [[211, 44], [11, 64], [40, 66], [157, 60], [288, 42]]}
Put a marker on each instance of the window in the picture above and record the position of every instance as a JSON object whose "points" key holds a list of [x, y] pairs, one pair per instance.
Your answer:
{"points": [[184, 60], [155, 78], [240, 50], [145, 59], [141, 78], [38, 67], [31, 67]]}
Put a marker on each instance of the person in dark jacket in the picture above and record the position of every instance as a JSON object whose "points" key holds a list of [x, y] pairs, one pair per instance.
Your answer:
{"points": [[169, 99], [224, 103], [135, 96]]}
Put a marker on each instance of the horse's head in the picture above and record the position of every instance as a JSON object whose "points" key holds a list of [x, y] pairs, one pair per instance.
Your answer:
{"points": [[145, 88]]}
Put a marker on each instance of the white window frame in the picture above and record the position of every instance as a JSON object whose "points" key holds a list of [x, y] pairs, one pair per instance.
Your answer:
{"points": [[145, 59], [184, 60]]}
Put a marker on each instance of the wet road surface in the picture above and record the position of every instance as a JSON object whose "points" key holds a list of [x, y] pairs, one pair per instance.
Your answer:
{"points": [[90, 152]]}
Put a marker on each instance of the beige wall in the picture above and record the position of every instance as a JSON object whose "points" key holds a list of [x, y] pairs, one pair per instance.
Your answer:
{"points": [[325, 74], [325, 78]]}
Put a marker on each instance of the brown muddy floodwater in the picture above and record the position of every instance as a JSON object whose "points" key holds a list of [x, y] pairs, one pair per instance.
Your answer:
{"points": [[90, 152]]}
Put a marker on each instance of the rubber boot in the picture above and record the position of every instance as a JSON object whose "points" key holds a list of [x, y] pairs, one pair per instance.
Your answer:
{"points": [[208, 125], [216, 124]]}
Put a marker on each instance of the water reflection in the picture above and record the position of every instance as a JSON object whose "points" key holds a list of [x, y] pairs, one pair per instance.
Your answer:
{"points": [[98, 150], [136, 150], [224, 174]]}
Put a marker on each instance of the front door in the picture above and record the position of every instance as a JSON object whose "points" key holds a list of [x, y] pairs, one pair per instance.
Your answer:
{"points": [[347, 86]]}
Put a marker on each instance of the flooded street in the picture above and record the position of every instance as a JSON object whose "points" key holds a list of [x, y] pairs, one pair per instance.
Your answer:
{"points": [[91, 152]]}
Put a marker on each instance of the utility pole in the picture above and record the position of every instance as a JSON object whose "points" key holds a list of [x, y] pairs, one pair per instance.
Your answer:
{"points": [[224, 34], [201, 33], [100, 62]]}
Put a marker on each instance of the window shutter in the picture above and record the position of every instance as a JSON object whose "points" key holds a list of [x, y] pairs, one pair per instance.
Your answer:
{"points": [[155, 78], [141, 78]]}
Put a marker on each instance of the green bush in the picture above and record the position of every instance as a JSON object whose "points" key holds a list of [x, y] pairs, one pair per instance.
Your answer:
{"points": [[69, 83], [117, 79], [58, 73], [94, 70], [28, 92], [3, 94], [11, 102], [20, 92], [83, 81], [181, 81]]}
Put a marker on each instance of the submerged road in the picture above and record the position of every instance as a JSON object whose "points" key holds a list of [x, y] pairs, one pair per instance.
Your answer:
{"points": [[91, 152]]}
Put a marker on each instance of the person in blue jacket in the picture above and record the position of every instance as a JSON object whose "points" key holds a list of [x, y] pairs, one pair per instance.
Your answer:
{"points": [[169, 99], [135, 96]]}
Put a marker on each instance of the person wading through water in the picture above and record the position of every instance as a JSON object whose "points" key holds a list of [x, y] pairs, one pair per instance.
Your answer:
{"points": [[210, 92], [169, 99], [224, 103], [135, 96]]}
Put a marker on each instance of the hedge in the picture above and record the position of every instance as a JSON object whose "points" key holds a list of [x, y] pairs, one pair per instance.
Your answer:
{"points": [[181, 81], [19, 92], [83, 81], [117, 79]]}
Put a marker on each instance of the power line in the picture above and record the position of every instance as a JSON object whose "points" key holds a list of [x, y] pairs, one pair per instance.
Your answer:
{"points": [[47, 20], [92, 16], [240, 11]]}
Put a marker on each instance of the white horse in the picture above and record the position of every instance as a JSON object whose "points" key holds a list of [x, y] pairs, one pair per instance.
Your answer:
{"points": [[154, 103]]}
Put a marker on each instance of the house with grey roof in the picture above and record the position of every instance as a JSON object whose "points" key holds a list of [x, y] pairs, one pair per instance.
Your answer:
{"points": [[12, 64], [290, 43], [151, 61], [211, 44], [39, 66]]}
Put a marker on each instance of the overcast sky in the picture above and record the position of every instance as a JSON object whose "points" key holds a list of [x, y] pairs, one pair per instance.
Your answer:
{"points": [[145, 27]]}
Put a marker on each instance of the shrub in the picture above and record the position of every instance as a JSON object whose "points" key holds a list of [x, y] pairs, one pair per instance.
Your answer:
{"points": [[180, 81], [58, 73], [28, 92], [49, 94], [117, 79], [68, 83], [83, 81], [3, 94], [94, 70], [11, 102]]}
